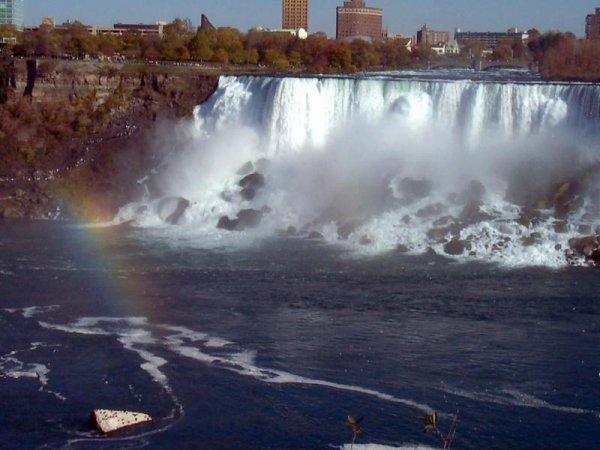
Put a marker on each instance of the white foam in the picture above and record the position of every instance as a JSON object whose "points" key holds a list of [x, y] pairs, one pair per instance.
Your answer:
{"points": [[386, 447], [514, 397]]}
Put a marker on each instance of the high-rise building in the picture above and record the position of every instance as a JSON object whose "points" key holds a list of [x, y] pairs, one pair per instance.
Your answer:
{"points": [[356, 20], [592, 25], [12, 12], [294, 14]]}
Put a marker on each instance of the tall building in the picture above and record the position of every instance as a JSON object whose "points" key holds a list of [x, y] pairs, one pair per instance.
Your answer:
{"points": [[592, 25], [432, 37], [295, 14], [356, 20], [12, 12]]}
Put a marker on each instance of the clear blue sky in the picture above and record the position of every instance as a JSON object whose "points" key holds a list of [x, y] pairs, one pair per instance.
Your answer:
{"points": [[402, 16]]}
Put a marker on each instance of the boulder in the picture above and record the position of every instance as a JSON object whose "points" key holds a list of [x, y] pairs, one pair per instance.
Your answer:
{"points": [[246, 169], [253, 181], [315, 235], [108, 421], [246, 218], [561, 226], [472, 213], [171, 209], [474, 192], [588, 247], [436, 209], [457, 246]]}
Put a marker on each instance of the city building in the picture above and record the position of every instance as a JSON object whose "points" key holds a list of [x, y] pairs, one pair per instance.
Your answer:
{"points": [[490, 39], [592, 25], [356, 20], [294, 15], [117, 29], [425, 36], [12, 12]]}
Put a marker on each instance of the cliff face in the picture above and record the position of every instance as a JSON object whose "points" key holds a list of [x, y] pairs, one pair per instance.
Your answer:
{"points": [[76, 147]]}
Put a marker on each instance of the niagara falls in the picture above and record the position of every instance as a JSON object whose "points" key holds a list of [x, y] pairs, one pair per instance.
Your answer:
{"points": [[311, 252]]}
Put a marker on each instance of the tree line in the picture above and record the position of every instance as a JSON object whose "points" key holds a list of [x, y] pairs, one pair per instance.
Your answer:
{"points": [[559, 56]]}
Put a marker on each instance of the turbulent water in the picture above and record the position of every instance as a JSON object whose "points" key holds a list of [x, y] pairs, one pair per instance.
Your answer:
{"points": [[389, 245], [379, 163]]}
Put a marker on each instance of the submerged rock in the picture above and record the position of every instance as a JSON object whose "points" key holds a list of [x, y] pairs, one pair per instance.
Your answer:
{"points": [[108, 421]]}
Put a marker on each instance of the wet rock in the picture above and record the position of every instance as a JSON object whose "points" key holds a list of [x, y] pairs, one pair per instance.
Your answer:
{"points": [[253, 181], [291, 231], [246, 218], [472, 213], [315, 235], [406, 219], [108, 421], [532, 239], [584, 229], [348, 227], [365, 240], [401, 248], [439, 234], [429, 211], [529, 217], [443, 221], [457, 246], [561, 226], [588, 247], [250, 218], [171, 209], [248, 194]]}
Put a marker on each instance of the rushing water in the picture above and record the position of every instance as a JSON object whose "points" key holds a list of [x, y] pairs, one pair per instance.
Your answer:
{"points": [[265, 339]]}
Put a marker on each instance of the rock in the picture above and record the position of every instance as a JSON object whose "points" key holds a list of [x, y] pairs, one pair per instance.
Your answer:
{"points": [[533, 239], [584, 229], [108, 421], [561, 226], [365, 240], [253, 181], [250, 218], [170, 209], [315, 235], [225, 223], [429, 211], [248, 193], [246, 218], [588, 246], [291, 231], [457, 246], [348, 227], [401, 248], [472, 213]]}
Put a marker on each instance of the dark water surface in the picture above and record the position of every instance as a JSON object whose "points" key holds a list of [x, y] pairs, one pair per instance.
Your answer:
{"points": [[271, 347]]}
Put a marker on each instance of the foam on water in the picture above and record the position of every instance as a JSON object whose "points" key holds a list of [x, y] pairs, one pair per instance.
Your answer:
{"points": [[334, 152]]}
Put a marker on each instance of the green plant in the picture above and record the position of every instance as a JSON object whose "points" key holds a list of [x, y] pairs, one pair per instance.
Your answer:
{"points": [[356, 429], [431, 424]]}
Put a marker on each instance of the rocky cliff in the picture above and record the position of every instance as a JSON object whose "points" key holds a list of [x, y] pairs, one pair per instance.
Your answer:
{"points": [[76, 146]]}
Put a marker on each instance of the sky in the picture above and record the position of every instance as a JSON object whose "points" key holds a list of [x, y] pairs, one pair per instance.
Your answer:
{"points": [[399, 16]]}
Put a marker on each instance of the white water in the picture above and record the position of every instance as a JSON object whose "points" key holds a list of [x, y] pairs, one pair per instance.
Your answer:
{"points": [[336, 151]]}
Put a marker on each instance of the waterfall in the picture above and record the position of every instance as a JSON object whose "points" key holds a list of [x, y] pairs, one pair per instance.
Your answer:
{"points": [[380, 163]]}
